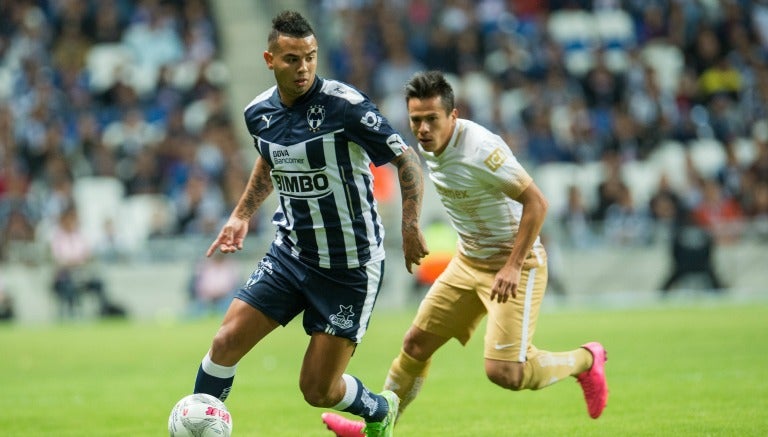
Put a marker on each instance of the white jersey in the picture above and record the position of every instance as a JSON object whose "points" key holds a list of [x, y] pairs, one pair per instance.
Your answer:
{"points": [[471, 175]]}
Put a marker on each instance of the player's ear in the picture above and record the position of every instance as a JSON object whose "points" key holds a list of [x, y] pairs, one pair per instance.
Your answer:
{"points": [[268, 58]]}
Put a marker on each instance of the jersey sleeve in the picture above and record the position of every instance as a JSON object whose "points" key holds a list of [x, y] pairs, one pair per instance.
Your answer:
{"points": [[500, 168], [368, 128]]}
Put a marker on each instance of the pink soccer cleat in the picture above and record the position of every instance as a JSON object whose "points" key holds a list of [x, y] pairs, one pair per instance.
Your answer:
{"points": [[343, 427], [593, 381]]}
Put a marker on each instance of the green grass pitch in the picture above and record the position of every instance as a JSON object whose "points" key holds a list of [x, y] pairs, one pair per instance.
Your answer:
{"points": [[700, 370]]}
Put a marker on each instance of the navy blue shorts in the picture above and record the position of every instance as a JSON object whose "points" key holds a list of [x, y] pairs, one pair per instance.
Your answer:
{"points": [[336, 301]]}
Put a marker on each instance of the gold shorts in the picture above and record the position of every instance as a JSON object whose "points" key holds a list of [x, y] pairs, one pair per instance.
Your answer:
{"points": [[461, 296]]}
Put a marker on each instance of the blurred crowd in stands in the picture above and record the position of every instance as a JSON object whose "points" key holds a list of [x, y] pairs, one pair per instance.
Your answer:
{"points": [[124, 90], [135, 91], [603, 83]]}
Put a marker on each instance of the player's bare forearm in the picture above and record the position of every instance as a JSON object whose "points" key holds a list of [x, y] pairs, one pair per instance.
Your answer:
{"points": [[535, 207], [534, 212], [232, 234], [412, 191], [259, 187], [411, 186]]}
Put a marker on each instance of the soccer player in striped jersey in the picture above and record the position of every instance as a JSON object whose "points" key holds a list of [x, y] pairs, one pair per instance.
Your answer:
{"points": [[316, 139], [499, 271]]}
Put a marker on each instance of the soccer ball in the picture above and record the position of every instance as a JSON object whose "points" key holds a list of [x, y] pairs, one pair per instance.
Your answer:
{"points": [[200, 415]]}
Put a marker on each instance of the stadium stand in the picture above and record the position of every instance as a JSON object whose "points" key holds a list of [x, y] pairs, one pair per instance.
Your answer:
{"points": [[120, 99], [667, 86]]}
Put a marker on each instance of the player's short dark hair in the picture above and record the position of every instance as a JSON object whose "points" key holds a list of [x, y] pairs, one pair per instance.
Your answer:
{"points": [[290, 23], [425, 85]]}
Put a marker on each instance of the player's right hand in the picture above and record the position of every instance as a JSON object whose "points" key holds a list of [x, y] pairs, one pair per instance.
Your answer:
{"points": [[231, 237]]}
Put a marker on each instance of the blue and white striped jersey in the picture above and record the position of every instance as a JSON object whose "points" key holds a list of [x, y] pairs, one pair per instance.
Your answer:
{"points": [[320, 150]]}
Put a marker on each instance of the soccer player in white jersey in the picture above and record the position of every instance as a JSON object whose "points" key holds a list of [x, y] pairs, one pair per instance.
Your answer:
{"points": [[499, 270], [316, 139]]}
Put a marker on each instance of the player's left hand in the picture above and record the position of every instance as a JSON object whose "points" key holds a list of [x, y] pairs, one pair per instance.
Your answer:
{"points": [[505, 284], [414, 246]]}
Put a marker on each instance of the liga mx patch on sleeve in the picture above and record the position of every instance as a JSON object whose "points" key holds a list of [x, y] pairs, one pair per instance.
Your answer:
{"points": [[495, 160]]}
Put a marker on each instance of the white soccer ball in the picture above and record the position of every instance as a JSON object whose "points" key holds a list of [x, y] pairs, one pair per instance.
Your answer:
{"points": [[200, 415]]}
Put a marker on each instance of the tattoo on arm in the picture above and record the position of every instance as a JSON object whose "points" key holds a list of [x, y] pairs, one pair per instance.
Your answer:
{"points": [[411, 186], [259, 187]]}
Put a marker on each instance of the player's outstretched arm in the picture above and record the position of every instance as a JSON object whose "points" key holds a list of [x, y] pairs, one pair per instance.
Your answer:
{"points": [[232, 235], [412, 192]]}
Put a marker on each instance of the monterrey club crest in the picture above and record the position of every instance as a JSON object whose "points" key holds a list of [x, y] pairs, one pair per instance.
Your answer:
{"points": [[343, 319], [315, 117]]}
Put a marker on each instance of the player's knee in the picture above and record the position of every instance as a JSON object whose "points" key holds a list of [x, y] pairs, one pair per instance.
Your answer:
{"points": [[508, 381], [414, 347], [316, 396], [505, 376], [224, 340], [226, 348]]}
